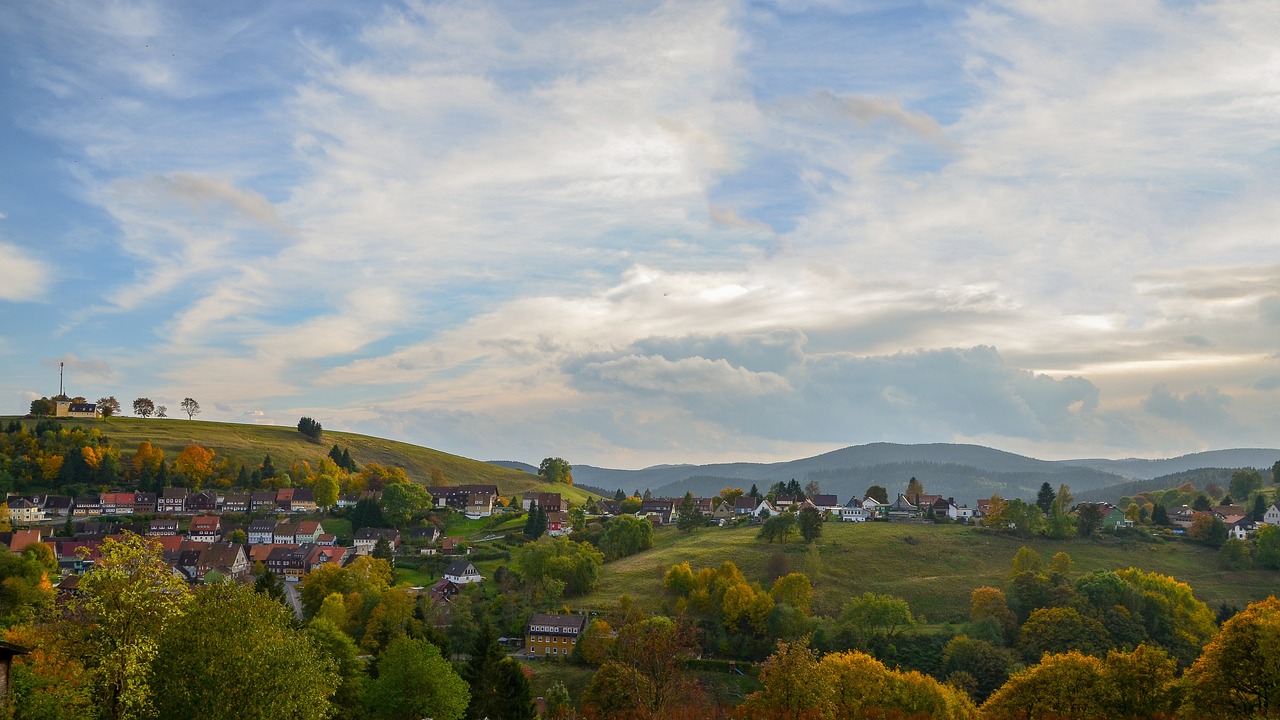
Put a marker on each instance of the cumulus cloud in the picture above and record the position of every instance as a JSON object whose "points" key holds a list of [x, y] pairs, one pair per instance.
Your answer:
{"points": [[23, 278], [1205, 410]]}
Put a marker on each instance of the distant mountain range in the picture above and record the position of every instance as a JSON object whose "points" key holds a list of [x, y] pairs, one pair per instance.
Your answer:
{"points": [[965, 472]]}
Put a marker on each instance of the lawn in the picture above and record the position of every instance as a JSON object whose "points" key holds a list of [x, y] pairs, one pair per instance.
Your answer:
{"points": [[933, 567]]}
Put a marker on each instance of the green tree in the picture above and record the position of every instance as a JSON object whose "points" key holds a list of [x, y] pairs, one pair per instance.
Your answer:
{"points": [[794, 589], [311, 428], [870, 617], [402, 502], [1088, 519], [1059, 630], [326, 491], [536, 525], [44, 407], [1070, 685], [810, 522], [575, 565], [554, 469], [987, 664], [1268, 544], [879, 493], [414, 682], [499, 689], [625, 535], [366, 514], [1245, 481], [144, 407], [1045, 498], [690, 517], [1259, 509], [124, 605], [780, 527], [271, 585], [350, 667], [109, 406], [230, 633]]}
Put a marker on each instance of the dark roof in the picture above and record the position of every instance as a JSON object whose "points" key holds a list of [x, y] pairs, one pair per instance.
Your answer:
{"points": [[458, 567], [560, 622], [825, 500]]}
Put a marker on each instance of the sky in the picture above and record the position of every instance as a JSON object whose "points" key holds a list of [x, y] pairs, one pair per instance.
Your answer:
{"points": [[639, 233]]}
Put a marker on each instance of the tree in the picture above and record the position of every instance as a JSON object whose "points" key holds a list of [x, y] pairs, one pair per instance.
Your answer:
{"points": [[871, 617], [1245, 481], [987, 664], [1088, 519], [352, 677], [499, 689], [1059, 630], [109, 406], [143, 407], [229, 633], [779, 527], [1268, 542], [1045, 498], [196, 463], [367, 513], [625, 535], [554, 469], [1238, 674], [1259, 509], [161, 411], [1209, 529], [1042, 691], [404, 501], [124, 606], [690, 517], [536, 525], [574, 566], [1159, 515], [44, 407], [414, 682], [311, 428], [190, 407], [270, 585], [326, 491], [879, 493], [810, 522], [730, 495], [915, 489], [794, 589]]}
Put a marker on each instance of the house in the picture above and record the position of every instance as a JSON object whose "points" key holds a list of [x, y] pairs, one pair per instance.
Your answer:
{"points": [[327, 539], [826, 503], [764, 509], [87, 506], [226, 558], [317, 555], [303, 501], [308, 531], [60, 506], [237, 502], [120, 503], [284, 500], [24, 512], [783, 502], [553, 635], [479, 505], [608, 507], [144, 503], [558, 524], [1182, 517], [548, 501], [853, 511], [202, 503], [454, 546], [1241, 527], [172, 500], [458, 496], [262, 531], [22, 538], [428, 534], [262, 501], [462, 572], [723, 513], [745, 505], [205, 528], [1272, 515], [285, 533], [664, 507], [288, 561], [959, 513], [903, 509], [67, 408], [367, 538], [161, 527]]}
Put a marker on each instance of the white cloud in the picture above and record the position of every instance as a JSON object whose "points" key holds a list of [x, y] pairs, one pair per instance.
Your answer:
{"points": [[23, 278]]}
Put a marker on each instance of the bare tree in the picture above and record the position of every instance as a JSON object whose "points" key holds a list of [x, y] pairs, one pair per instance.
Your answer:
{"points": [[190, 407]]}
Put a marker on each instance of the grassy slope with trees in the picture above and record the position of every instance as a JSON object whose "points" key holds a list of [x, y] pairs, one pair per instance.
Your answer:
{"points": [[247, 444], [933, 567]]}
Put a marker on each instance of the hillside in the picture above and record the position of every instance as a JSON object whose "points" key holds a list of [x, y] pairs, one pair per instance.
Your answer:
{"points": [[933, 567], [249, 443], [1138, 469]]}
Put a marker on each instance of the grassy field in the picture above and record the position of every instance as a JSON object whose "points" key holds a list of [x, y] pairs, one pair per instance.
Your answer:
{"points": [[934, 567], [248, 444]]}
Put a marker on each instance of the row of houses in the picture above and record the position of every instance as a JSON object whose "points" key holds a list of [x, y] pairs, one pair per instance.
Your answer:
{"points": [[170, 501]]}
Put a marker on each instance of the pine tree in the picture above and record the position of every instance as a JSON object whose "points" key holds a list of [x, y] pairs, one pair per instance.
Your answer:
{"points": [[499, 689], [690, 516], [536, 525], [1045, 497]]}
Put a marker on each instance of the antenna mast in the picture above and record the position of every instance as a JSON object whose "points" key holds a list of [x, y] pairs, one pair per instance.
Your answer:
{"points": [[60, 366]]}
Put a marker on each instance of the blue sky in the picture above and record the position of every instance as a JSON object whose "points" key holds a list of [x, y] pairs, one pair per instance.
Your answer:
{"points": [[640, 233]]}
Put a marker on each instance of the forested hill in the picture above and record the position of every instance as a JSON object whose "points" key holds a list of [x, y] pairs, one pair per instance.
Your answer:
{"points": [[965, 472]]}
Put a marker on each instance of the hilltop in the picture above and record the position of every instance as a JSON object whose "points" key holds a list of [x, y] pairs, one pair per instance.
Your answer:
{"points": [[248, 444]]}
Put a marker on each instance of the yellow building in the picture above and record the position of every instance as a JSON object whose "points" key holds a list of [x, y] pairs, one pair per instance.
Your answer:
{"points": [[553, 635]]}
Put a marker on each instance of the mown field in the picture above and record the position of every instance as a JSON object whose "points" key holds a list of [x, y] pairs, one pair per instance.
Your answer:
{"points": [[934, 567], [249, 443]]}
